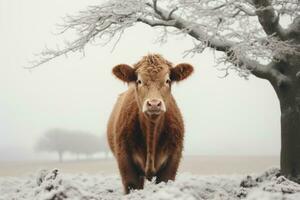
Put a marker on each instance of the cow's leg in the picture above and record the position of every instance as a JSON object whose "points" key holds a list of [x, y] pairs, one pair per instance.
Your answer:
{"points": [[131, 176], [168, 172]]}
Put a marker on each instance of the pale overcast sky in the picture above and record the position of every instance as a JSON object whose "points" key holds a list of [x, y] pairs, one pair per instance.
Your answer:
{"points": [[228, 116]]}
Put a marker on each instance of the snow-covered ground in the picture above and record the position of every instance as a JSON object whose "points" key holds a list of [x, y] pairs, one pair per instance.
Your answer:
{"points": [[53, 185]]}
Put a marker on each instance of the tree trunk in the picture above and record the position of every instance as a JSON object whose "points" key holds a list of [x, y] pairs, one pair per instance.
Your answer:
{"points": [[290, 134], [289, 97], [290, 143]]}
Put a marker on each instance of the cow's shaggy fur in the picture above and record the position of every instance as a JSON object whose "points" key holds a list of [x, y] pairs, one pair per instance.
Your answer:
{"points": [[146, 146]]}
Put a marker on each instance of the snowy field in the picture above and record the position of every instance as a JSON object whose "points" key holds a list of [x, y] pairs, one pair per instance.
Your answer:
{"points": [[53, 185], [234, 178]]}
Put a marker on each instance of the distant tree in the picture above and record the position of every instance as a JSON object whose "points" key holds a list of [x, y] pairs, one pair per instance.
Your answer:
{"points": [[75, 142], [54, 140]]}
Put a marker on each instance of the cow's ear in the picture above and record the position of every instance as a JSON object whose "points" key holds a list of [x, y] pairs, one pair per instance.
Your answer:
{"points": [[124, 72], [181, 71]]}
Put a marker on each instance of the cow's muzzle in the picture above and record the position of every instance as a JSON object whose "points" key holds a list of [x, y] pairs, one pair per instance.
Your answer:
{"points": [[154, 107]]}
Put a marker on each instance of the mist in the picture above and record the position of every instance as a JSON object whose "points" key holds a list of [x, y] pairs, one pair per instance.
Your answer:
{"points": [[223, 116]]}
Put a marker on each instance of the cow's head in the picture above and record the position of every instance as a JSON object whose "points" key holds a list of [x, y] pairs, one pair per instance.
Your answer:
{"points": [[153, 77]]}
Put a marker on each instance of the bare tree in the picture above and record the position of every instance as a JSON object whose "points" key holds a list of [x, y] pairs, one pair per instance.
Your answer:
{"points": [[258, 37], [72, 141], [54, 140]]}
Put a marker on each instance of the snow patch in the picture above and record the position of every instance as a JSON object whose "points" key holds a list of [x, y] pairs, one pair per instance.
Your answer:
{"points": [[53, 185]]}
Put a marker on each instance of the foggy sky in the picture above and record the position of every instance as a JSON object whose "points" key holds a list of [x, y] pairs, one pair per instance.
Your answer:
{"points": [[230, 116]]}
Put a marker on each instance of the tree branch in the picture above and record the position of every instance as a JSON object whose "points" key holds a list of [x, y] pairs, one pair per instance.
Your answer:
{"points": [[245, 10], [268, 72], [261, 71], [293, 32], [108, 20], [268, 18], [154, 6], [171, 12], [154, 23]]}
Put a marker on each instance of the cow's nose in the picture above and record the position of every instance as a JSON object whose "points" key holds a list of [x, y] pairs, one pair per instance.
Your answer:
{"points": [[154, 104]]}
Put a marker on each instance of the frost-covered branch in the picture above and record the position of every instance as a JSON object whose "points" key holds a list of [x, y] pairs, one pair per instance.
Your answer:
{"points": [[229, 26], [268, 18], [226, 46], [293, 32], [101, 23], [156, 22]]}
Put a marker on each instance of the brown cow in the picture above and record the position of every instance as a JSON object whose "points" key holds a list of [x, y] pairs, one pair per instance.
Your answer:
{"points": [[145, 130]]}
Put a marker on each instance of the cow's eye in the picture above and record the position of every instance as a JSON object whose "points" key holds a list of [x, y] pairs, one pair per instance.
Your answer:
{"points": [[168, 81], [139, 82]]}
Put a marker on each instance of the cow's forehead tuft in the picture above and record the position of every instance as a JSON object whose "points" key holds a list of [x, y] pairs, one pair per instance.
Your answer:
{"points": [[152, 64]]}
